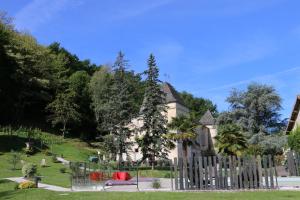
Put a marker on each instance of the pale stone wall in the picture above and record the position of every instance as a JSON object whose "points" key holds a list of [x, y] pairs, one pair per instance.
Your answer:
{"points": [[213, 132], [297, 123]]}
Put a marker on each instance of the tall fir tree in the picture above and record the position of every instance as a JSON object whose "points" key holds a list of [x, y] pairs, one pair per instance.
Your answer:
{"points": [[120, 107], [153, 143]]}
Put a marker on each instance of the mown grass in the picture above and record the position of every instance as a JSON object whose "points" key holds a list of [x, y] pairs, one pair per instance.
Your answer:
{"points": [[7, 192], [70, 149], [73, 150]]}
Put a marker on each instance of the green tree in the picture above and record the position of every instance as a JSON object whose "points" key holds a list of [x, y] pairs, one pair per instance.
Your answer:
{"points": [[255, 110], [153, 143], [230, 140], [294, 139], [79, 83], [121, 109], [197, 105], [100, 88], [64, 110], [182, 128], [15, 158]]}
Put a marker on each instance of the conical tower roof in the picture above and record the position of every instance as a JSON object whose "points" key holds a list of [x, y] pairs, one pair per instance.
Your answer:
{"points": [[207, 119], [172, 95]]}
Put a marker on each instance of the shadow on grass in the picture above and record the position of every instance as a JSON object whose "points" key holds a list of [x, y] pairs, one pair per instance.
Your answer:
{"points": [[9, 191], [8, 143]]}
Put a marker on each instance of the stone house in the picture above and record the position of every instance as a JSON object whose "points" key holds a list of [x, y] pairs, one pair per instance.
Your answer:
{"points": [[176, 107], [294, 120]]}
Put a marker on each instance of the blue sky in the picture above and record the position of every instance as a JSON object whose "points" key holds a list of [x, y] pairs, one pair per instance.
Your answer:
{"points": [[205, 47]]}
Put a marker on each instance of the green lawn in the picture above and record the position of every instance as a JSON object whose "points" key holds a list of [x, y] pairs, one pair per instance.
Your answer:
{"points": [[73, 150], [7, 192]]}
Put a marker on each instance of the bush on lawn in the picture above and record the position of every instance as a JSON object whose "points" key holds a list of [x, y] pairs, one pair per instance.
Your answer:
{"points": [[62, 170], [168, 175], [27, 185], [29, 170], [47, 153], [29, 151], [156, 184]]}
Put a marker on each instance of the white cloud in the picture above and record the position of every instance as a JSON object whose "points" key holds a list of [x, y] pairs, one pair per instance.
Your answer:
{"points": [[242, 52], [39, 12], [269, 78]]}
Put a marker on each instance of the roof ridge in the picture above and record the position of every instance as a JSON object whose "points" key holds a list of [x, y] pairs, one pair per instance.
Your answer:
{"points": [[207, 118], [171, 94]]}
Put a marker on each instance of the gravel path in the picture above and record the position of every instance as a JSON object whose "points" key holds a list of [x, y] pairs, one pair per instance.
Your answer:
{"points": [[41, 185]]}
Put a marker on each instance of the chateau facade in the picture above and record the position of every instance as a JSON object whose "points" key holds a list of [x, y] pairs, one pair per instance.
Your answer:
{"points": [[176, 107]]}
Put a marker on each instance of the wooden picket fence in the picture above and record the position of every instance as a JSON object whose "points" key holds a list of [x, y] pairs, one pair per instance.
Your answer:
{"points": [[225, 173], [293, 163]]}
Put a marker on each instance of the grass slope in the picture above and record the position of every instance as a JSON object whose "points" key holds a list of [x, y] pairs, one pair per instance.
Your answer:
{"points": [[73, 150]]}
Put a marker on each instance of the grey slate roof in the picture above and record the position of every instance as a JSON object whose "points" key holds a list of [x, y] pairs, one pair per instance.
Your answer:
{"points": [[207, 119], [171, 94]]}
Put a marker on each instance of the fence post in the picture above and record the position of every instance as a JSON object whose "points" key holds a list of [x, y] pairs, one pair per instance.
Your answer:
{"points": [[221, 180], [205, 172], [230, 172], [240, 185], [225, 173], [175, 174], [216, 172], [210, 172], [254, 171], [271, 171], [235, 173], [181, 173], [266, 172], [196, 164], [297, 160], [259, 171], [191, 172], [201, 172], [250, 172], [186, 178]]}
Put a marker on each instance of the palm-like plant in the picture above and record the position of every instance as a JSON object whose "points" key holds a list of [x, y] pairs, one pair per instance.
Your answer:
{"points": [[184, 125], [230, 140]]}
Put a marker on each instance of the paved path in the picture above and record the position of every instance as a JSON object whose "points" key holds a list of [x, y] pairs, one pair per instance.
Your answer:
{"points": [[62, 160], [42, 185]]}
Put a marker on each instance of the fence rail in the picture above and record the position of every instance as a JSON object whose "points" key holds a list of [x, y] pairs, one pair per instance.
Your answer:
{"points": [[225, 173]]}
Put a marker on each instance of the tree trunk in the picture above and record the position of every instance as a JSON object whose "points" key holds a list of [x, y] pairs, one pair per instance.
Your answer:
{"points": [[120, 159], [63, 130]]}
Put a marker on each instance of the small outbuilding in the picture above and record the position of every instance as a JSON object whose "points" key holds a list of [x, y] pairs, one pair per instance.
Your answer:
{"points": [[294, 120]]}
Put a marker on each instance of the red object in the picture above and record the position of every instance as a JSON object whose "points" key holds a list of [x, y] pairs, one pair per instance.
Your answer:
{"points": [[124, 176], [96, 176]]}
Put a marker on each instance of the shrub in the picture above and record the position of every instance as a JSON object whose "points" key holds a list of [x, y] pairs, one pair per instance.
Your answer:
{"points": [[29, 170], [27, 185], [14, 159], [29, 151], [113, 164], [294, 139], [156, 184], [168, 175], [47, 153], [62, 170]]}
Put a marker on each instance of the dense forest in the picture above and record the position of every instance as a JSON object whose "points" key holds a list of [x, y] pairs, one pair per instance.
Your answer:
{"points": [[50, 88]]}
